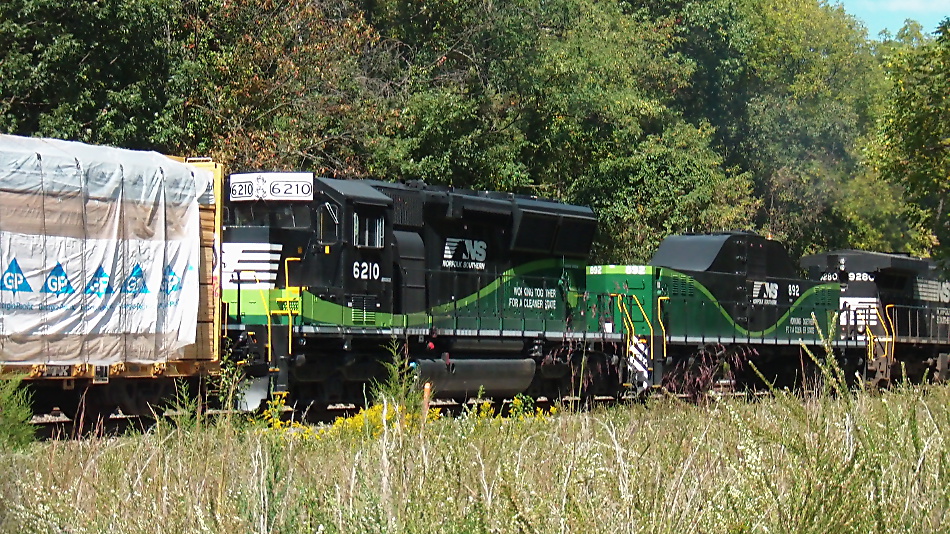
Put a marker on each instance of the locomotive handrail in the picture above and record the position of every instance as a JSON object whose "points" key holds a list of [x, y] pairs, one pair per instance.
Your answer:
{"points": [[889, 330], [287, 271], [650, 326], [289, 301], [266, 303], [624, 314], [659, 316], [911, 319]]}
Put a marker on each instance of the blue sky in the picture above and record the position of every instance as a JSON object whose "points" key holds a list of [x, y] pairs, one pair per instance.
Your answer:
{"points": [[878, 15]]}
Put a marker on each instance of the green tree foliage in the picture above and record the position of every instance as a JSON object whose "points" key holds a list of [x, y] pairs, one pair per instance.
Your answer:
{"points": [[815, 84], [672, 183], [915, 151], [87, 71], [275, 85], [790, 88]]}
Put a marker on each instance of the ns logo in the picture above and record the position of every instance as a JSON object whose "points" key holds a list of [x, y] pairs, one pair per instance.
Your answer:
{"points": [[767, 290], [765, 293], [469, 249]]}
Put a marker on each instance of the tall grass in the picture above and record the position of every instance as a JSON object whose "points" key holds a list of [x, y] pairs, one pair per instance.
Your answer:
{"points": [[16, 432], [867, 462]]}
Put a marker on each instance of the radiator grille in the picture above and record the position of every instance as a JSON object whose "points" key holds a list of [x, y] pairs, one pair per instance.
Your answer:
{"points": [[363, 309], [407, 209]]}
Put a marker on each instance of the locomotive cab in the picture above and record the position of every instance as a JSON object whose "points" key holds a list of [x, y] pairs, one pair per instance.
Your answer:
{"points": [[890, 294], [348, 260], [329, 236]]}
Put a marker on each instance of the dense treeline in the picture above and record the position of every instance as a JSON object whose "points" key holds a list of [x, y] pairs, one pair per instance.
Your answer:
{"points": [[667, 116]]}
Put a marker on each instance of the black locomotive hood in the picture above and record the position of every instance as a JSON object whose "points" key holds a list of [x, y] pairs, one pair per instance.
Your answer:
{"points": [[732, 252], [863, 261]]}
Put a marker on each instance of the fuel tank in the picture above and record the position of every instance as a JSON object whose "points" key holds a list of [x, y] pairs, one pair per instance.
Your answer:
{"points": [[465, 377]]}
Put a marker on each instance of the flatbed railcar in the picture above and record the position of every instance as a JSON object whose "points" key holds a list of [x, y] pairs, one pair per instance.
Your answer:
{"points": [[108, 273]]}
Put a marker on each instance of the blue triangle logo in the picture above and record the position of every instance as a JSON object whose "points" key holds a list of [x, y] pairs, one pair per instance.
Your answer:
{"points": [[14, 280], [135, 283], [99, 284], [57, 282], [170, 281]]}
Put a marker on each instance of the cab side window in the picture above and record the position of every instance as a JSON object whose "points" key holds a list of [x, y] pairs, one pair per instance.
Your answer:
{"points": [[328, 220], [367, 230]]}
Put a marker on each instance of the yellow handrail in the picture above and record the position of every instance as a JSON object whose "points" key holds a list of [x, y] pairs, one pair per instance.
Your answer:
{"points": [[624, 314], [290, 311], [287, 271], [270, 340], [650, 326], [659, 316], [892, 332]]}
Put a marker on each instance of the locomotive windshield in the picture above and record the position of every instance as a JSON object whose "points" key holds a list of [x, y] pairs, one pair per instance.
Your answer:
{"points": [[284, 215]]}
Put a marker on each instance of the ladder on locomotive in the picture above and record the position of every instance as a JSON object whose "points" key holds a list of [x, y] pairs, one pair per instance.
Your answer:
{"points": [[287, 306], [880, 352]]}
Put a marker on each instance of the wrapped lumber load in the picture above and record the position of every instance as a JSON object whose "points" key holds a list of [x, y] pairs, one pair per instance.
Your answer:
{"points": [[100, 256]]}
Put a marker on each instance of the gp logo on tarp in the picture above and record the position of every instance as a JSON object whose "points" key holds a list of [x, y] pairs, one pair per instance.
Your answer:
{"points": [[57, 282], [171, 282], [135, 283], [14, 280], [99, 284]]}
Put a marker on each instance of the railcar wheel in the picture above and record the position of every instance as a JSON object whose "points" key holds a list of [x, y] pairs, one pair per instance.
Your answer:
{"points": [[88, 408], [146, 397]]}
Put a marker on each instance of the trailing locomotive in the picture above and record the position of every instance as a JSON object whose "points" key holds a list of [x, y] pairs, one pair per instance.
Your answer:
{"points": [[894, 303], [707, 305]]}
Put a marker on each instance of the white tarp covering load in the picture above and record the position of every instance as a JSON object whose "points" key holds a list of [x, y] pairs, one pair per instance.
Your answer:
{"points": [[99, 253]]}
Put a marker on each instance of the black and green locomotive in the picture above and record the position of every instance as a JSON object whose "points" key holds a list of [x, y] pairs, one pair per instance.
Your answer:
{"points": [[708, 305], [322, 279], [477, 287]]}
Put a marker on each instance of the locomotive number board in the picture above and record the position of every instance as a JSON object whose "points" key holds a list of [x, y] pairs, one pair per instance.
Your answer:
{"points": [[271, 186]]}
